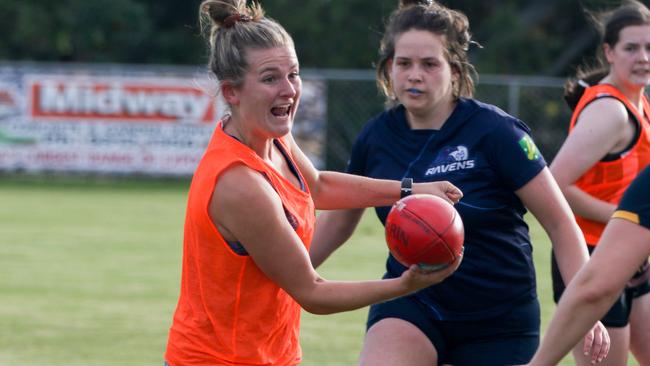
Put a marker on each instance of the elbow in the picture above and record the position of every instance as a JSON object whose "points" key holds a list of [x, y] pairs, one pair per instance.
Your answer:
{"points": [[592, 294], [314, 301], [590, 290], [316, 309]]}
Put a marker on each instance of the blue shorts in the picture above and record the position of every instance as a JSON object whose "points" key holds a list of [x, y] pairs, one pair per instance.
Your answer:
{"points": [[509, 339]]}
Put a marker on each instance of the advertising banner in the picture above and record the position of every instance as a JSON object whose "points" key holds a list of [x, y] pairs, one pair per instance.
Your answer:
{"points": [[135, 122]]}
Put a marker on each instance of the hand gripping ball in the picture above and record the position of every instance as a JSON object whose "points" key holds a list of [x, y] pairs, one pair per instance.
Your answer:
{"points": [[426, 230]]}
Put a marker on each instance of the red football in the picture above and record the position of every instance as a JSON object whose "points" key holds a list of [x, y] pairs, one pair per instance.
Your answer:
{"points": [[426, 230]]}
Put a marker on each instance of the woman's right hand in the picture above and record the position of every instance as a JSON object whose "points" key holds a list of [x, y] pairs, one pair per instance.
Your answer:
{"points": [[442, 189], [596, 343], [416, 278]]}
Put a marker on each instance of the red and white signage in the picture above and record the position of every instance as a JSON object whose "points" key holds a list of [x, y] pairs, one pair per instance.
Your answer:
{"points": [[122, 124], [119, 99]]}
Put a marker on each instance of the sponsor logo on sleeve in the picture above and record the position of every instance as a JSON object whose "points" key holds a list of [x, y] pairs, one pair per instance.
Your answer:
{"points": [[529, 148]]}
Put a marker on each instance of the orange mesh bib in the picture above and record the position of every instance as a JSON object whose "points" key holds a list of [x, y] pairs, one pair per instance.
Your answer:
{"points": [[229, 312], [607, 180]]}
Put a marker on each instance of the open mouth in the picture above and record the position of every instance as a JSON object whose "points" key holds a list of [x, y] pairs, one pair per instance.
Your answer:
{"points": [[281, 111]]}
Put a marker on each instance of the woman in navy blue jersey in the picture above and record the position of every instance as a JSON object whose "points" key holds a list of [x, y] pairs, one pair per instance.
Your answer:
{"points": [[597, 286], [487, 312]]}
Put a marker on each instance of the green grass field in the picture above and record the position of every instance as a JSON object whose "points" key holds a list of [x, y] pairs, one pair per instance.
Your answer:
{"points": [[89, 274]]}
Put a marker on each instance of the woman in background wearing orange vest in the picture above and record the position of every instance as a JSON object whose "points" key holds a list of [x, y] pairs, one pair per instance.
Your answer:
{"points": [[607, 147], [251, 211]]}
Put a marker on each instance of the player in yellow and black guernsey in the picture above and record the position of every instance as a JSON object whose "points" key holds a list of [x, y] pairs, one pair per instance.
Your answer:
{"points": [[635, 205], [623, 247]]}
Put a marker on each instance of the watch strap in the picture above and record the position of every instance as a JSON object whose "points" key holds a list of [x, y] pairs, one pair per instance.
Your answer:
{"points": [[406, 187]]}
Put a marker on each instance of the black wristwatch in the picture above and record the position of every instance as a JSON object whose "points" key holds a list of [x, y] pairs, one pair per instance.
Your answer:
{"points": [[407, 187]]}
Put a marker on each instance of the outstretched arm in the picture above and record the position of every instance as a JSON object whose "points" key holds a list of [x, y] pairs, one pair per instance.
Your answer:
{"points": [[334, 190], [261, 227], [595, 288]]}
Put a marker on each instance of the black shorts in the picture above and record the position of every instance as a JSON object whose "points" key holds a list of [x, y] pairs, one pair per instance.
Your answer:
{"points": [[618, 315], [509, 339]]}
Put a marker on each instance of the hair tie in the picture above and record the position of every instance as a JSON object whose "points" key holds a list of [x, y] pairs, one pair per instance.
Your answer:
{"points": [[234, 18], [583, 83]]}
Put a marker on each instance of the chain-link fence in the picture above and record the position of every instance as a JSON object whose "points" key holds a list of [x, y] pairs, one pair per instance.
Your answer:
{"points": [[353, 98], [138, 119]]}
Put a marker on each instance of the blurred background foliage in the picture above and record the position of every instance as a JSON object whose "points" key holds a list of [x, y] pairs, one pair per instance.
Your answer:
{"points": [[525, 37]]}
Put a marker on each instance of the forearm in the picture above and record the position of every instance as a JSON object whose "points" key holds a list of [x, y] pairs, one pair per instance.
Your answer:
{"points": [[323, 297], [569, 248], [588, 206], [329, 297], [333, 190]]}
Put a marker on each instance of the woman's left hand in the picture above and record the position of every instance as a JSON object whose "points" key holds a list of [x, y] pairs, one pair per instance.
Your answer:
{"points": [[442, 189]]}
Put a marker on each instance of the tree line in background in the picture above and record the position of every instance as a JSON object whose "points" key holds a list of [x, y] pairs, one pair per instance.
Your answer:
{"points": [[526, 37]]}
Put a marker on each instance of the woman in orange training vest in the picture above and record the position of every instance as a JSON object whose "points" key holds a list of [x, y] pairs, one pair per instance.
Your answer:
{"points": [[608, 145], [251, 211]]}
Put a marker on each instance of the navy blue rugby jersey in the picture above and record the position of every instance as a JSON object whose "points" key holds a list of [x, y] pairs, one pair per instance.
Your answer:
{"points": [[488, 154], [635, 204]]}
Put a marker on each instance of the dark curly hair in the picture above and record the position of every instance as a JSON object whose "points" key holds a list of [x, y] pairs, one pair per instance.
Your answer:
{"points": [[429, 16]]}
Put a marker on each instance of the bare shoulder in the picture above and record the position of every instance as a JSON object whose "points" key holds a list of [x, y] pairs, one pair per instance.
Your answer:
{"points": [[242, 194], [606, 113], [241, 183]]}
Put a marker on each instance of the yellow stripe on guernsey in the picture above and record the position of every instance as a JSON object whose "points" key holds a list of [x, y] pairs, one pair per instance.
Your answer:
{"points": [[626, 215]]}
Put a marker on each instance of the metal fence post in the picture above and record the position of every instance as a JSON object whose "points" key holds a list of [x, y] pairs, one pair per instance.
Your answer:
{"points": [[514, 90]]}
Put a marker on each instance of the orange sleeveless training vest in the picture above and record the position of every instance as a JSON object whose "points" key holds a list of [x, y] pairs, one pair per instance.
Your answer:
{"points": [[229, 312], [607, 180]]}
